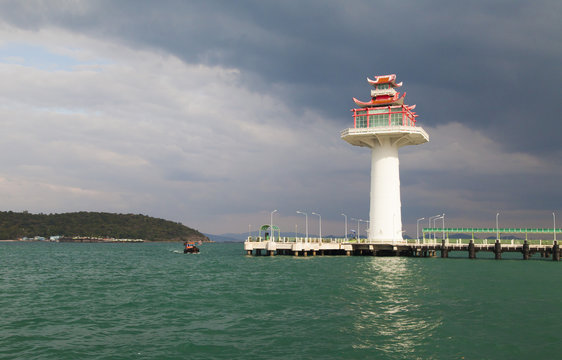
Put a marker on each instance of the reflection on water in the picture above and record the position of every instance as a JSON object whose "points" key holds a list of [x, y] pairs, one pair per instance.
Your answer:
{"points": [[392, 306]]}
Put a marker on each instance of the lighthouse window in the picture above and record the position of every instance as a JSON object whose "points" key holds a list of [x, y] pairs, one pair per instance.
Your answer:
{"points": [[396, 119], [361, 121], [378, 120], [382, 86]]}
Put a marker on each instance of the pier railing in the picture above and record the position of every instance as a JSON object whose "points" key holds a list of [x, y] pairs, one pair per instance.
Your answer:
{"points": [[287, 239], [383, 116], [436, 235]]}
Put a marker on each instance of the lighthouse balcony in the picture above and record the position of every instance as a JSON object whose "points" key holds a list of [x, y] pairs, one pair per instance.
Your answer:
{"points": [[384, 116], [396, 122], [400, 135]]}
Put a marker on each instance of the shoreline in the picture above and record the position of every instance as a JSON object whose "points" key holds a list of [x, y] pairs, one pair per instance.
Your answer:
{"points": [[103, 242]]}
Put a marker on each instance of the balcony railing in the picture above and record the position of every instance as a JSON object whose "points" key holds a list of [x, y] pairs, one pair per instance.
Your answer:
{"points": [[387, 116]]}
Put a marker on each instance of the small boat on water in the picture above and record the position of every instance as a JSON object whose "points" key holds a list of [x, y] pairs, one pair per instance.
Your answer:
{"points": [[190, 248]]}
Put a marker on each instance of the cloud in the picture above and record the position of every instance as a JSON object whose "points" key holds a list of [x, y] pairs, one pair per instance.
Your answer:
{"points": [[191, 136], [212, 113], [470, 176]]}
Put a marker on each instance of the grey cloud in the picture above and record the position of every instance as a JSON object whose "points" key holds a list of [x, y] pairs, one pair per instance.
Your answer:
{"points": [[492, 66]]}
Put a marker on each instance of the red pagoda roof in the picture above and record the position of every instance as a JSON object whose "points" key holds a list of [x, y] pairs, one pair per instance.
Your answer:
{"points": [[382, 100], [385, 79], [384, 93]]}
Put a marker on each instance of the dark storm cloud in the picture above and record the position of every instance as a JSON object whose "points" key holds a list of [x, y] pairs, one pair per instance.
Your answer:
{"points": [[493, 66], [500, 59]]}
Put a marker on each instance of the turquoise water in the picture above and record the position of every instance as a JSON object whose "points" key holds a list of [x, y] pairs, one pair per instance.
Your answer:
{"points": [[146, 301]]}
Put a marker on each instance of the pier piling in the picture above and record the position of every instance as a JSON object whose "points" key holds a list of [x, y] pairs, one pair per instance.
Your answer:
{"points": [[444, 250], [498, 250], [556, 251], [471, 250], [525, 250]]}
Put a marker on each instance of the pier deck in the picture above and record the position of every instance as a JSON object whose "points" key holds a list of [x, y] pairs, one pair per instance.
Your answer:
{"points": [[314, 247]]}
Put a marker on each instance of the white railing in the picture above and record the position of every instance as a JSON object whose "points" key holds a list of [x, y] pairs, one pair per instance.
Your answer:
{"points": [[382, 129], [286, 239]]}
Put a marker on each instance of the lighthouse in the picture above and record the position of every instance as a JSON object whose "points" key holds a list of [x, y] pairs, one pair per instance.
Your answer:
{"points": [[384, 124]]}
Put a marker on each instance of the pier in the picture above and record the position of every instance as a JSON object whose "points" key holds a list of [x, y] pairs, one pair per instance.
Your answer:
{"points": [[428, 246]]}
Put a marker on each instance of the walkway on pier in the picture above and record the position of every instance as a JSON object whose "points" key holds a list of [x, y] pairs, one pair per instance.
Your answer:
{"points": [[410, 247]]}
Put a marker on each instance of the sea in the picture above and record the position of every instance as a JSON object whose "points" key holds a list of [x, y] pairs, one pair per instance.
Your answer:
{"points": [[150, 301]]}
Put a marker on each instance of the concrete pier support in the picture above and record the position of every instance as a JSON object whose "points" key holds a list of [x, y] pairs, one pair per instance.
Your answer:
{"points": [[271, 253], [295, 253], [556, 251], [525, 250], [444, 250], [348, 253], [498, 250], [249, 252], [471, 250]]}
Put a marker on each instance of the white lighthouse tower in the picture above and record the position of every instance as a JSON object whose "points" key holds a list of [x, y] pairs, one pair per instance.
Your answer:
{"points": [[385, 124]]}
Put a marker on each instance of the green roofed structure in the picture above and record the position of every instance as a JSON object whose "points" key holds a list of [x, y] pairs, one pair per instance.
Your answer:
{"points": [[267, 227]]}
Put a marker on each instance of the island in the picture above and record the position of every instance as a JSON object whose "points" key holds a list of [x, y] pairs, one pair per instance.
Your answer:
{"points": [[94, 226]]}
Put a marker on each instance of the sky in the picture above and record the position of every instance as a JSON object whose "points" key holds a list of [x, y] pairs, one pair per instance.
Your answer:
{"points": [[216, 113]]}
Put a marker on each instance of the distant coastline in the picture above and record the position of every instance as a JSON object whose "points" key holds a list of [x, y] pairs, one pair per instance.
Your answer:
{"points": [[93, 227]]}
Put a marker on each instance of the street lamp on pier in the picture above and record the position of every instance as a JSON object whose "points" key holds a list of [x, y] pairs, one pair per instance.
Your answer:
{"points": [[358, 230], [429, 224], [434, 220], [418, 228], [497, 228], [367, 229], [344, 215], [554, 221], [443, 217], [306, 222], [272, 236], [320, 217]]}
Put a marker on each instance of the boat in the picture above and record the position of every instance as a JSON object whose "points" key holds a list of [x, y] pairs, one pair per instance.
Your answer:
{"points": [[190, 248]]}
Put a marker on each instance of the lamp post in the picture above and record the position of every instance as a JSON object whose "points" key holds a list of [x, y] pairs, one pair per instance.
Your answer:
{"points": [[554, 220], [320, 217], [429, 224], [306, 222], [271, 226], [443, 226], [344, 215], [434, 220], [368, 226], [417, 228], [497, 228], [358, 230]]}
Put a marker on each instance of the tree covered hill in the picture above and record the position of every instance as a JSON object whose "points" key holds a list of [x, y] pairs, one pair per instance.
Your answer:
{"points": [[14, 225]]}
